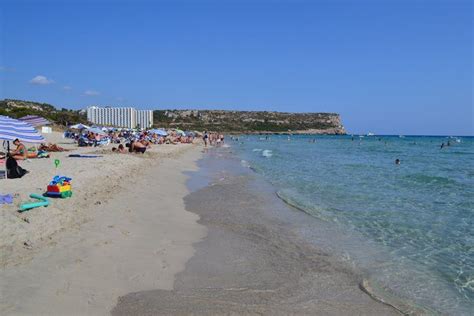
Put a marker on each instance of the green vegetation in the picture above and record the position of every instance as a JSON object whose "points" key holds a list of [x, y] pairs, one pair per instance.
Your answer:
{"points": [[19, 108], [248, 121], [200, 120]]}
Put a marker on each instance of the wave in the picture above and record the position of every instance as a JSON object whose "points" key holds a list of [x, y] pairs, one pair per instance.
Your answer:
{"points": [[461, 153], [431, 180], [292, 200], [267, 153], [403, 306], [257, 149]]}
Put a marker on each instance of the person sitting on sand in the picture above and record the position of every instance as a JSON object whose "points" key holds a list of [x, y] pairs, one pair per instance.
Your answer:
{"points": [[121, 149], [145, 142], [137, 147], [20, 153]]}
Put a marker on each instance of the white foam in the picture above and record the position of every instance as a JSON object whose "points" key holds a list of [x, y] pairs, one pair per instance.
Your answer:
{"points": [[267, 153], [245, 163]]}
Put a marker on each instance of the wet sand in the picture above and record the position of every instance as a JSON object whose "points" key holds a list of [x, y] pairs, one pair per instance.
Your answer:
{"points": [[252, 261]]}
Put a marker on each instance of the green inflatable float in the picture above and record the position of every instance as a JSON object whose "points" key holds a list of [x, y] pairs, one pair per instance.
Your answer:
{"points": [[43, 201]]}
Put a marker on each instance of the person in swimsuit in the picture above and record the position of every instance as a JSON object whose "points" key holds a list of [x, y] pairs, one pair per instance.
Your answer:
{"points": [[121, 149], [137, 147], [20, 153], [205, 138]]}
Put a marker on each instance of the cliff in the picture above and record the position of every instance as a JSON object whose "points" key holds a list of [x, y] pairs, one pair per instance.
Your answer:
{"points": [[250, 121]]}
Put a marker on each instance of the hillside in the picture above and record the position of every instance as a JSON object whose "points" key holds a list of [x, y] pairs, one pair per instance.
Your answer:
{"points": [[213, 120], [19, 108], [250, 121]]}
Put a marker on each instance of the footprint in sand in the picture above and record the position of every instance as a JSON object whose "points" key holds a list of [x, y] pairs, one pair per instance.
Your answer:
{"points": [[125, 232]]}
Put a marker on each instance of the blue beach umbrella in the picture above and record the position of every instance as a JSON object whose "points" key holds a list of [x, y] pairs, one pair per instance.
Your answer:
{"points": [[11, 129], [159, 132], [96, 130]]}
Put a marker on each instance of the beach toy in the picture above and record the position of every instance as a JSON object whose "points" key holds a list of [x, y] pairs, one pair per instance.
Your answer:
{"points": [[56, 162], [43, 201], [59, 187]]}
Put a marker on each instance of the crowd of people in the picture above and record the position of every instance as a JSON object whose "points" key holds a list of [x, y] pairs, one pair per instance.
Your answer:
{"points": [[129, 140], [126, 140], [212, 139]]}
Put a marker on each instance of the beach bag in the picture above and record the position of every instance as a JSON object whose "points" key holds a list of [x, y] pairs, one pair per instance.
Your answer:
{"points": [[14, 171]]}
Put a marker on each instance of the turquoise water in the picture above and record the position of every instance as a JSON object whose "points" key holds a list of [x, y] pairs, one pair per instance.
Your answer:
{"points": [[420, 213]]}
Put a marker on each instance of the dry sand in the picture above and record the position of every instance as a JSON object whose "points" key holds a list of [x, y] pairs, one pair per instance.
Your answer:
{"points": [[125, 229]]}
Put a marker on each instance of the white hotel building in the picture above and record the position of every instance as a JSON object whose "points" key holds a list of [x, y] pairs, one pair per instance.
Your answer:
{"points": [[120, 117]]}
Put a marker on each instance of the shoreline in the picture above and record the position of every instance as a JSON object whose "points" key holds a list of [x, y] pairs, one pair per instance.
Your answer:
{"points": [[137, 237], [252, 261]]}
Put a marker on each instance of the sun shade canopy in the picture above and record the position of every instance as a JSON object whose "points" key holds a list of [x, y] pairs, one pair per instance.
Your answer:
{"points": [[11, 129]]}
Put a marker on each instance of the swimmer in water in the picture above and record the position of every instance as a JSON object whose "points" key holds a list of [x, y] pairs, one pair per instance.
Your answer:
{"points": [[397, 161], [442, 146]]}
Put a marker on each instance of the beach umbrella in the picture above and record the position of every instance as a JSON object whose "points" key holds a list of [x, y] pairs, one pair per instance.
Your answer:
{"points": [[159, 132], [79, 126], [11, 129], [96, 130], [178, 131], [35, 120]]}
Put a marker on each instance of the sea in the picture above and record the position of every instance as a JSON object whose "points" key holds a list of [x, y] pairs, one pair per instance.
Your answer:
{"points": [[409, 226]]}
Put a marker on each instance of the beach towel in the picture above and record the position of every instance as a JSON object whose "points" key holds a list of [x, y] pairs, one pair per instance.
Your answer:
{"points": [[83, 156], [6, 199]]}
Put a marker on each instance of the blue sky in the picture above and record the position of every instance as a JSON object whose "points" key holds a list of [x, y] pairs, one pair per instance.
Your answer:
{"points": [[391, 67]]}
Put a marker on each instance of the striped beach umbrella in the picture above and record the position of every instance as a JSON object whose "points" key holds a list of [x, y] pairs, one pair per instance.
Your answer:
{"points": [[11, 129], [35, 120]]}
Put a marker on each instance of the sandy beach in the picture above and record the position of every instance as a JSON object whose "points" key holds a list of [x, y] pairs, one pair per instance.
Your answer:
{"points": [[125, 229]]}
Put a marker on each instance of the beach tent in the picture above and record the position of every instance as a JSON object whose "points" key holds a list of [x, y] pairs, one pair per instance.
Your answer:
{"points": [[79, 126], [159, 132], [35, 120], [11, 129], [96, 130]]}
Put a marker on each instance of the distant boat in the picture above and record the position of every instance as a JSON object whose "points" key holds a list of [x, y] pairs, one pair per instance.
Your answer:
{"points": [[370, 134]]}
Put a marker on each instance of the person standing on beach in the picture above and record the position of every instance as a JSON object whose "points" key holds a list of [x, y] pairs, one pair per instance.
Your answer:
{"points": [[205, 138]]}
